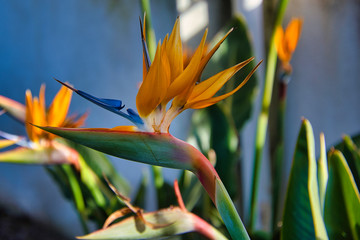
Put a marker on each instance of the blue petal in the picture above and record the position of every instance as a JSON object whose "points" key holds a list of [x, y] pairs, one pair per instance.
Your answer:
{"points": [[112, 105], [103, 102], [134, 116]]}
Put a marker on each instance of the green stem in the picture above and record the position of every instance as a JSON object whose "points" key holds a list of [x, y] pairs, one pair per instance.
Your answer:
{"points": [[278, 157], [262, 122], [216, 190], [229, 213], [77, 195], [150, 33]]}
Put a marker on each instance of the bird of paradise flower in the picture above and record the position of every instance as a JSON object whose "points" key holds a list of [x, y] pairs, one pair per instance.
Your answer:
{"points": [[41, 147], [148, 140], [286, 42]]}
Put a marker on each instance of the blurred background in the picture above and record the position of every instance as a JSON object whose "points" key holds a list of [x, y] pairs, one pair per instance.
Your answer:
{"points": [[95, 45]]}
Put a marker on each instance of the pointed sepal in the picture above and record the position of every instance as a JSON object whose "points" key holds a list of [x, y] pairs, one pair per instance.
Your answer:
{"points": [[13, 108]]}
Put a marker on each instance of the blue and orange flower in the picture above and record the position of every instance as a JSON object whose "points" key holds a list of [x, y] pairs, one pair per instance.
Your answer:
{"points": [[168, 88]]}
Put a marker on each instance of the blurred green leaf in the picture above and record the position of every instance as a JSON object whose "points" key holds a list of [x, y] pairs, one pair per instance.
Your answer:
{"points": [[302, 214], [322, 172], [352, 155], [100, 164], [191, 189], [140, 196], [235, 49], [356, 140], [13, 108], [211, 129], [342, 201], [59, 176]]}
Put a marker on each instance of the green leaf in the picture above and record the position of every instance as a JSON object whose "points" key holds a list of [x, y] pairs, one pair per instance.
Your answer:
{"points": [[302, 214], [322, 171], [352, 155], [101, 165], [140, 196], [151, 148], [236, 48], [356, 140], [228, 213], [342, 201]]}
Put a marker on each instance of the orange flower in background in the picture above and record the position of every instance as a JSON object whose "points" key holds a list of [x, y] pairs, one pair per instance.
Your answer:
{"points": [[286, 41], [41, 147], [55, 115]]}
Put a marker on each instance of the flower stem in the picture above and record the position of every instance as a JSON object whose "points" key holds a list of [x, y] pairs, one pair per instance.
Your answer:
{"points": [[229, 213], [262, 122], [278, 156], [150, 33], [210, 180], [77, 195]]}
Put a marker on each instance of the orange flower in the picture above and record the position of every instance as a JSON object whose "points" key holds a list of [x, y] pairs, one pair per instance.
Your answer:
{"points": [[42, 147], [167, 78], [286, 42], [37, 114]]}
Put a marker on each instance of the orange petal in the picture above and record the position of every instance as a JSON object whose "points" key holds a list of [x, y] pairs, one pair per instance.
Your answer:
{"points": [[292, 34], [28, 116], [197, 104], [175, 52], [126, 128], [282, 52], [188, 77], [42, 99], [153, 88], [211, 86], [206, 59], [38, 116], [59, 107], [75, 120]]}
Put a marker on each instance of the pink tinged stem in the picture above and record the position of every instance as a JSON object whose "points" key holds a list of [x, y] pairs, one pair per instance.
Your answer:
{"points": [[206, 174], [204, 228]]}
